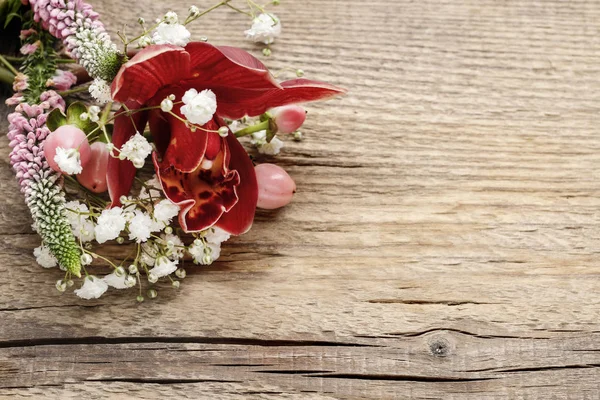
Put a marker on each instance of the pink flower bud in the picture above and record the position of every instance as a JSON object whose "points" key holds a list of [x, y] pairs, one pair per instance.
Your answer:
{"points": [[275, 187], [288, 118], [67, 137], [93, 176]]}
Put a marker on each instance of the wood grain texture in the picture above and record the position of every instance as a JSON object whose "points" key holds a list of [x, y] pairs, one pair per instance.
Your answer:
{"points": [[443, 243]]}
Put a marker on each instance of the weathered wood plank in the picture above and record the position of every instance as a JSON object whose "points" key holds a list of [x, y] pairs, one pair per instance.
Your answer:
{"points": [[443, 242]]}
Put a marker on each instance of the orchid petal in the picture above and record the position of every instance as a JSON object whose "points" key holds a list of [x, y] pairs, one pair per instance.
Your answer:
{"points": [[235, 103], [228, 67], [205, 194], [121, 173], [239, 219], [149, 70]]}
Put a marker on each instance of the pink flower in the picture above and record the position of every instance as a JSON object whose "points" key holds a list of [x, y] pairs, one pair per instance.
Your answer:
{"points": [[20, 82], [26, 33], [29, 48], [62, 80]]}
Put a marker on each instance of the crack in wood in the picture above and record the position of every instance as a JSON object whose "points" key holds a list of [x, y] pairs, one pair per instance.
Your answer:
{"points": [[404, 378], [95, 340], [428, 302], [161, 381], [463, 332]]}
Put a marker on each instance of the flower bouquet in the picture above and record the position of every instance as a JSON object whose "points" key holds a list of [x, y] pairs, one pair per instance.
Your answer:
{"points": [[155, 159]]}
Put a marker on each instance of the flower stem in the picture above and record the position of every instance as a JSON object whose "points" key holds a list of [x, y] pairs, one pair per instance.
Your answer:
{"points": [[6, 76], [69, 92], [253, 129], [8, 65], [224, 2]]}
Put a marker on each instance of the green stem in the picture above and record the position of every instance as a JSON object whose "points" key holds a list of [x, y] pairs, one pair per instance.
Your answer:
{"points": [[78, 89], [253, 129], [6, 76], [8, 65], [224, 2], [238, 10]]}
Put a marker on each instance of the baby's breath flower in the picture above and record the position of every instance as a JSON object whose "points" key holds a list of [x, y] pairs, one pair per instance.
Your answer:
{"points": [[136, 150], [140, 227], [94, 112], [166, 105], [110, 224], [44, 257], [200, 107], [164, 266], [194, 11], [118, 282], [175, 34], [171, 17], [165, 211], [265, 28], [93, 287], [259, 139], [100, 90], [144, 41], [68, 160]]}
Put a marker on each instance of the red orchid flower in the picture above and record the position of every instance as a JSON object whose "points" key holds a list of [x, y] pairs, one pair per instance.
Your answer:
{"points": [[210, 177]]}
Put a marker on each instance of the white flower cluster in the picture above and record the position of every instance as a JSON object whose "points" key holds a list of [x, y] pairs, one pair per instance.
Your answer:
{"points": [[144, 219], [199, 108], [265, 28], [207, 249], [100, 90], [68, 161], [168, 31], [136, 150], [259, 139]]}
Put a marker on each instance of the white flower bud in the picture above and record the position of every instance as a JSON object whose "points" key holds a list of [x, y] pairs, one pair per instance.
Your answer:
{"points": [[166, 105]]}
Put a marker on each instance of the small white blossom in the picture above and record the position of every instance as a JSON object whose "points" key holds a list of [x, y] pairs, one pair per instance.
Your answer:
{"points": [[217, 235], [204, 254], [200, 107], [93, 287], [165, 211], [118, 282], [81, 225], [84, 116], [171, 17], [164, 267], [175, 34], [136, 150], [259, 139], [265, 28], [140, 227], [174, 244], [100, 90], [94, 112], [155, 189], [144, 41], [194, 11], [68, 160], [44, 257], [149, 254], [110, 224], [272, 149]]}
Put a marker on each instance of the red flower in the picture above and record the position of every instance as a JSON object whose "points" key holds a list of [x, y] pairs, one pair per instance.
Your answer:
{"points": [[211, 178]]}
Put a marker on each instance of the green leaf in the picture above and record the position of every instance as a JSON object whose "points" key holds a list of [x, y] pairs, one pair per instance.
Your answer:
{"points": [[9, 18], [74, 117], [55, 119]]}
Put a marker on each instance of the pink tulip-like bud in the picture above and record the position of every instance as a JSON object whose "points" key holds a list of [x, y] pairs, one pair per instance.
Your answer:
{"points": [[66, 137], [275, 187], [93, 176], [288, 118]]}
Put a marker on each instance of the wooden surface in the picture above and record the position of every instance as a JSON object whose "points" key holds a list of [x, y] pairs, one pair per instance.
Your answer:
{"points": [[443, 243]]}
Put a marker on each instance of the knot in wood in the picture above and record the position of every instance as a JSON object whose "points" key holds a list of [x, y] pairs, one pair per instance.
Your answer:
{"points": [[439, 346]]}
